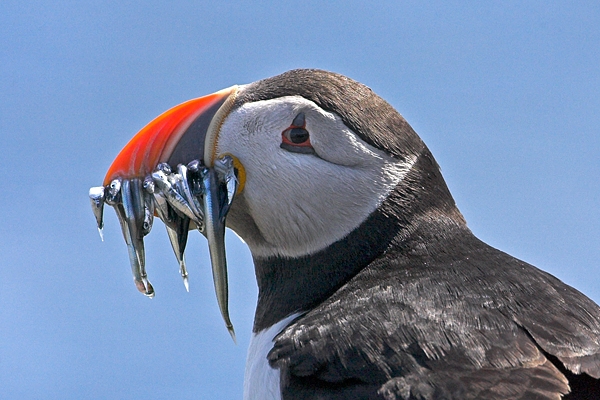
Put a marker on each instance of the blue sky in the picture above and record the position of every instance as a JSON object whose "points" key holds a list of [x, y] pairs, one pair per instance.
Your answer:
{"points": [[506, 95]]}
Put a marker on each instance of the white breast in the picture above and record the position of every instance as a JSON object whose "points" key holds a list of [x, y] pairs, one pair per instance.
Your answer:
{"points": [[261, 382]]}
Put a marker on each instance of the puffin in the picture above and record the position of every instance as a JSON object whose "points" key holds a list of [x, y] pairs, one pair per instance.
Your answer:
{"points": [[370, 283]]}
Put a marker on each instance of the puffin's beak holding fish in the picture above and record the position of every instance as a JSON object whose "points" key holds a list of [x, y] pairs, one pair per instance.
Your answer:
{"points": [[370, 283], [170, 169]]}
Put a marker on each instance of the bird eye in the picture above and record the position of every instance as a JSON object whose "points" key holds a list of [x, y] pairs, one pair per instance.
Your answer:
{"points": [[296, 135], [296, 138]]}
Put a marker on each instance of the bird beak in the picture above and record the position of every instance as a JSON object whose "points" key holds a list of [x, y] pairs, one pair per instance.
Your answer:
{"points": [[177, 136], [170, 169]]}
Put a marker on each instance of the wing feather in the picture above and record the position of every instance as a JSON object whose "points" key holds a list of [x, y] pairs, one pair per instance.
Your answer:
{"points": [[478, 328]]}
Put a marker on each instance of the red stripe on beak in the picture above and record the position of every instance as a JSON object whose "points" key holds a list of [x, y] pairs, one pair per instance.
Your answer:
{"points": [[158, 141]]}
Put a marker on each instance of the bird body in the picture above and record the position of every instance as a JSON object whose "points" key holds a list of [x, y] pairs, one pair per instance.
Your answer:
{"points": [[371, 285]]}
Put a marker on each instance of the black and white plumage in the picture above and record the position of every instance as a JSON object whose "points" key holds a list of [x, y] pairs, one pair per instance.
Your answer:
{"points": [[371, 285], [399, 300]]}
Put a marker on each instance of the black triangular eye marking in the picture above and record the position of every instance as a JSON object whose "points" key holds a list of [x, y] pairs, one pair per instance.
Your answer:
{"points": [[299, 121]]}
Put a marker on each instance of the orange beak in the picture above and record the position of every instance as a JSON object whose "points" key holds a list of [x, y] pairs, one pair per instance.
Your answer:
{"points": [[184, 133], [184, 137]]}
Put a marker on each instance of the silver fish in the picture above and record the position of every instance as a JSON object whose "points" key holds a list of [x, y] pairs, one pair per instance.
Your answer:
{"points": [[215, 233], [173, 223], [112, 192], [170, 193], [194, 194], [226, 175], [148, 213], [178, 238], [131, 215], [186, 190], [97, 200]]}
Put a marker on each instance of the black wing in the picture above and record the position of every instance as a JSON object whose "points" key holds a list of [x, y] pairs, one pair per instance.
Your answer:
{"points": [[473, 324]]}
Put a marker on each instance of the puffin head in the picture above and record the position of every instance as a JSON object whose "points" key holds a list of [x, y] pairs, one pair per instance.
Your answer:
{"points": [[317, 157], [316, 160]]}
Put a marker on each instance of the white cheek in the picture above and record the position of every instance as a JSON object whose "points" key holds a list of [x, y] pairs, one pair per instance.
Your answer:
{"points": [[302, 203]]}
